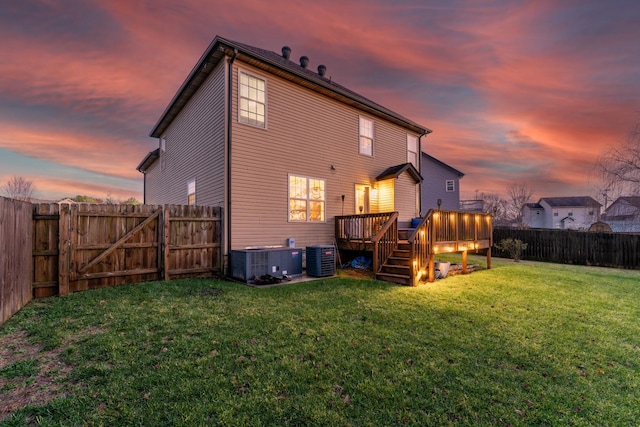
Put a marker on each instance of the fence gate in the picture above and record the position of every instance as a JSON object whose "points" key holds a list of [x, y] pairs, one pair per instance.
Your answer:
{"points": [[108, 245]]}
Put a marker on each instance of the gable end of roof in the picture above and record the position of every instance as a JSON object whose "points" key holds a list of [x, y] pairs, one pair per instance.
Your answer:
{"points": [[396, 171], [275, 64]]}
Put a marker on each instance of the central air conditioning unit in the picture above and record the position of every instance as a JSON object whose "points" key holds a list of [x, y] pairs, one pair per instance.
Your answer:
{"points": [[321, 260], [249, 263]]}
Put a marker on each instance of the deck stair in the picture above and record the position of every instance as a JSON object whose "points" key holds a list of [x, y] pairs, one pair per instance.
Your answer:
{"points": [[397, 268]]}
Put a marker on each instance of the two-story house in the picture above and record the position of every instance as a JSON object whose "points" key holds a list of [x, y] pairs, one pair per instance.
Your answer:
{"points": [[623, 215], [282, 148], [441, 183], [572, 213]]}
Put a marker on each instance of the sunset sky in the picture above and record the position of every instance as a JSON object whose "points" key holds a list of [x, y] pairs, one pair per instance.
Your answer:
{"points": [[515, 91]]}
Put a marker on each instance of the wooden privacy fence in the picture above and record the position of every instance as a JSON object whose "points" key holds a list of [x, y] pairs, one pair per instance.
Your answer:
{"points": [[575, 247], [84, 246], [15, 256]]}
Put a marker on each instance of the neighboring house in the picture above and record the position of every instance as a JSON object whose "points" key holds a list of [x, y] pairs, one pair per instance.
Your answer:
{"points": [[472, 205], [623, 215], [441, 182], [572, 213], [283, 149]]}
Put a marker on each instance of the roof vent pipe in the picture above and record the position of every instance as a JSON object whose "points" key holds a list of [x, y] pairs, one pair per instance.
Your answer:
{"points": [[322, 69], [286, 52], [304, 61]]}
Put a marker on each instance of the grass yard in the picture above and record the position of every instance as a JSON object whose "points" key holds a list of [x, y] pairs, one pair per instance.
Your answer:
{"points": [[520, 344]]}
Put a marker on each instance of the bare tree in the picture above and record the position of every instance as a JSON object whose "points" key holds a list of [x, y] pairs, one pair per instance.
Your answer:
{"points": [[518, 195], [496, 206], [110, 200], [619, 167], [19, 188]]}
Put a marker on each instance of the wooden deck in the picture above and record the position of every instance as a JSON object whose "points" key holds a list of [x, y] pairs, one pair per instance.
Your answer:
{"points": [[407, 255]]}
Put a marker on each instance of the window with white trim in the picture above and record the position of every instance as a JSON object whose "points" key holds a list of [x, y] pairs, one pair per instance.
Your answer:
{"points": [[306, 199], [366, 136], [412, 150], [163, 158], [450, 185], [252, 102], [191, 192]]}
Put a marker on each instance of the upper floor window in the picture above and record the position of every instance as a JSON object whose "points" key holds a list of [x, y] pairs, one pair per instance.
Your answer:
{"points": [[412, 150], [366, 136], [450, 185], [252, 108], [191, 192], [163, 147], [306, 199]]}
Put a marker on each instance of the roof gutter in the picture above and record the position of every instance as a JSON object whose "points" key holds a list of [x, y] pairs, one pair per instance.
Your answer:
{"points": [[425, 133]]}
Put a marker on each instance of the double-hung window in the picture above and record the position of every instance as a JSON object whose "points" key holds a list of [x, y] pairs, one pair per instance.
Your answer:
{"points": [[252, 108], [306, 199], [450, 186], [191, 192], [366, 136], [412, 150]]}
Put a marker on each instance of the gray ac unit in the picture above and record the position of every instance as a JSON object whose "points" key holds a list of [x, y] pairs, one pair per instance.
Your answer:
{"points": [[321, 260], [249, 263]]}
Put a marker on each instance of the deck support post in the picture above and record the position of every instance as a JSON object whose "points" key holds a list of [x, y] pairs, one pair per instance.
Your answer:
{"points": [[432, 267], [464, 262]]}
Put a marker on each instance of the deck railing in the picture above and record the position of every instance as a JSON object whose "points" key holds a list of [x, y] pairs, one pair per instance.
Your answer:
{"points": [[448, 231], [385, 242], [361, 227], [456, 231], [420, 244], [439, 231]]}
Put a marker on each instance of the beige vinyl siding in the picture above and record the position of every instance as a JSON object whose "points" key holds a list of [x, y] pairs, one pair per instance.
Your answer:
{"points": [[405, 197], [195, 147], [385, 191], [307, 133]]}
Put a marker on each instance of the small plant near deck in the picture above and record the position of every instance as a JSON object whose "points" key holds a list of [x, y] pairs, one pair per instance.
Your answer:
{"points": [[514, 247]]}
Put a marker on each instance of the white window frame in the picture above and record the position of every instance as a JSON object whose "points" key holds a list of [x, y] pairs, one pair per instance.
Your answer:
{"points": [[303, 194], [163, 147], [366, 136], [450, 185], [252, 99], [191, 191], [412, 151]]}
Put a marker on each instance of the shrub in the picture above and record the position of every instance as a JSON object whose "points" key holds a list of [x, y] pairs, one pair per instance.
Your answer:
{"points": [[514, 247]]}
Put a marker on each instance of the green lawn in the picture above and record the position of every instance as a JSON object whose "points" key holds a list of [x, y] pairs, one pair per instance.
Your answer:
{"points": [[520, 344]]}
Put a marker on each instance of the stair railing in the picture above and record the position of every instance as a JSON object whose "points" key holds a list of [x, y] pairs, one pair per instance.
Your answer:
{"points": [[420, 244], [385, 242]]}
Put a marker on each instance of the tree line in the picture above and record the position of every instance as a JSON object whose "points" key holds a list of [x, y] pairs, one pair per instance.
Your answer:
{"points": [[20, 188]]}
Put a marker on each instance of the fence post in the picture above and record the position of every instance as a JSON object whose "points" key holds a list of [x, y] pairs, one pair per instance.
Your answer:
{"points": [[165, 242], [63, 250]]}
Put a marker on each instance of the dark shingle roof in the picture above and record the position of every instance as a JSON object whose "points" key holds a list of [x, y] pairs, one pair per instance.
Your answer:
{"points": [[443, 164], [632, 200], [534, 205], [395, 171], [579, 201], [276, 64], [148, 160]]}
